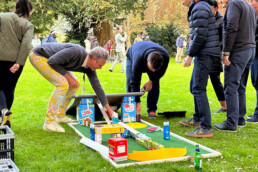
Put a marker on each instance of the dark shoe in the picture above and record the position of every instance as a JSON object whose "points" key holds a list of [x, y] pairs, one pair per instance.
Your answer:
{"points": [[200, 132], [221, 110], [152, 115], [110, 70], [6, 116], [225, 126], [254, 119], [241, 122], [190, 123]]}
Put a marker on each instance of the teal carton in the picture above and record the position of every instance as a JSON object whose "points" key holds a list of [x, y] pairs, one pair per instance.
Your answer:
{"points": [[128, 99], [85, 101], [86, 114], [128, 112]]}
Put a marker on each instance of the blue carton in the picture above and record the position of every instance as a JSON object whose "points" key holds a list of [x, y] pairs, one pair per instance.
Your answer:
{"points": [[84, 101], [86, 114], [128, 112], [128, 99]]}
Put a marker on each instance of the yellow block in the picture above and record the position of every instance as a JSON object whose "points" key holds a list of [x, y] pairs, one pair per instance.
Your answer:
{"points": [[109, 129], [157, 154], [136, 125]]}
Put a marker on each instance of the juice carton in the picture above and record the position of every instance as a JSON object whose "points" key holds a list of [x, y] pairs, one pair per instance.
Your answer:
{"points": [[128, 112], [128, 99], [86, 114], [85, 101]]}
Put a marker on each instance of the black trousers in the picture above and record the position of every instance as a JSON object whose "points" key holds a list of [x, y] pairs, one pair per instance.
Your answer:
{"points": [[8, 82], [217, 85]]}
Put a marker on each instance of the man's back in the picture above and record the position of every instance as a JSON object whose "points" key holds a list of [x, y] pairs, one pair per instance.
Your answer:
{"points": [[239, 26]]}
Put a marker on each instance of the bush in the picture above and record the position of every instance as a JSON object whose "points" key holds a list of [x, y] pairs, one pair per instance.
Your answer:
{"points": [[75, 41], [165, 36]]}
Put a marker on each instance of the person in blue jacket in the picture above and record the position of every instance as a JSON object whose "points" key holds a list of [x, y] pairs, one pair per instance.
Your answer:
{"points": [[151, 58], [205, 48]]}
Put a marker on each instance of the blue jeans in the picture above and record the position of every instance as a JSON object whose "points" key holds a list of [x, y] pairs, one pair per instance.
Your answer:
{"points": [[153, 94], [8, 82], [198, 84], [254, 77], [236, 75]]}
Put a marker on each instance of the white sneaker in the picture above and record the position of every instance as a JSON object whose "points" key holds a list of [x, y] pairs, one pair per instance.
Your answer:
{"points": [[53, 126], [64, 120]]}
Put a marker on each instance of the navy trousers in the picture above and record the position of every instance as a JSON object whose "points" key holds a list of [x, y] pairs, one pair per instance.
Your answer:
{"points": [[198, 84], [236, 75], [254, 77], [153, 94], [8, 82]]}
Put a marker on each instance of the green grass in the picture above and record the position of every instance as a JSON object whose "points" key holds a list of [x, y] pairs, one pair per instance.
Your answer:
{"points": [[39, 150]]}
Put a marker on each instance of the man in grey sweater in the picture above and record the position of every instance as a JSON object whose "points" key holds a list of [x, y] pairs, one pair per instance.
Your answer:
{"points": [[55, 61]]}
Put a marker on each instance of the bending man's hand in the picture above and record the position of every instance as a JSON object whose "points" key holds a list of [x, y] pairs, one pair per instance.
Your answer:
{"points": [[148, 86], [72, 82], [226, 61]]}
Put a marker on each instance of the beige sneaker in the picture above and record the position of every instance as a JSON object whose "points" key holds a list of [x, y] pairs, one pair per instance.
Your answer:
{"points": [[53, 126], [64, 120]]}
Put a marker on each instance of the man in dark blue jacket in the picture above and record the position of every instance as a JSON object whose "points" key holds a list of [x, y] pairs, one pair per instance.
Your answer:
{"points": [[151, 58], [205, 48], [238, 53]]}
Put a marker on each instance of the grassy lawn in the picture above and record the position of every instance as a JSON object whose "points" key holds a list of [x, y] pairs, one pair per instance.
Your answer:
{"points": [[39, 150]]}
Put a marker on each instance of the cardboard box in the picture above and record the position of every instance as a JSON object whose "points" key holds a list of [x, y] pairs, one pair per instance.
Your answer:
{"points": [[86, 114], [128, 99], [117, 149], [84, 101], [128, 112]]}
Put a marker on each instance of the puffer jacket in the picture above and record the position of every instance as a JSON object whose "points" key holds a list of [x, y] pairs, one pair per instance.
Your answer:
{"points": [[203, 29], [15, 38]]}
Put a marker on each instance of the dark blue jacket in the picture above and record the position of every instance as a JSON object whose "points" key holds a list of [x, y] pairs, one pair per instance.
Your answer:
{"points": [[239, 26], [203, 29], [51, 39], [138, 54]]}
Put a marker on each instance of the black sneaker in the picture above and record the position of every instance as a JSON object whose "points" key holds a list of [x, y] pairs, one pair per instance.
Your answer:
{"points": [[152, 115], [110, 70], [6, 116], [190, 123], [200, 132], [224, 126], [241, 122], [221, 110], [254, 119]]}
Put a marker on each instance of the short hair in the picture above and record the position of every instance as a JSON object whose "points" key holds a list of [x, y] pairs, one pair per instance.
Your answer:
{"points": [[215, 4], [98, 52], [117, 28], [155, 59]]}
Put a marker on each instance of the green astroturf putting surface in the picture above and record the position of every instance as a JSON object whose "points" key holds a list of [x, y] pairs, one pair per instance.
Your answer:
{"points": [[155, 136]]}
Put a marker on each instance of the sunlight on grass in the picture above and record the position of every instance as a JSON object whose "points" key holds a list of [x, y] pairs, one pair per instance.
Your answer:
{"points": [[39, 150]]}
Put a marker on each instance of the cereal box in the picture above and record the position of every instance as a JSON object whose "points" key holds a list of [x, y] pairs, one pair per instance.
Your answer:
{"points": [[86, 114], [128, 112]]}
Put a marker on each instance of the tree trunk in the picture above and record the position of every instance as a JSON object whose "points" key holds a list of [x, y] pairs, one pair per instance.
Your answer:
{"points": [[104, 32]]}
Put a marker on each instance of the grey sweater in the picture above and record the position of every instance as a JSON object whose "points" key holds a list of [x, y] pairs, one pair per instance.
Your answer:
{"points": [[63, 57], [15, 38]]}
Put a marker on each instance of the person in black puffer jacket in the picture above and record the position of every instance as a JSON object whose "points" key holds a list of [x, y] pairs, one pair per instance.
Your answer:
{"points": [[206, 49]]}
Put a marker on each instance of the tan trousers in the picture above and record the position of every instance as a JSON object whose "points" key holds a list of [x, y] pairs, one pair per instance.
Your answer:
{"points": [[179, 54], [61, 96]]}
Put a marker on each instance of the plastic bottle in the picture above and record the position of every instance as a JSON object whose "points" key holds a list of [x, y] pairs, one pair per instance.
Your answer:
{"points": [[166, 132], [197, 159], [92, 132]]}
